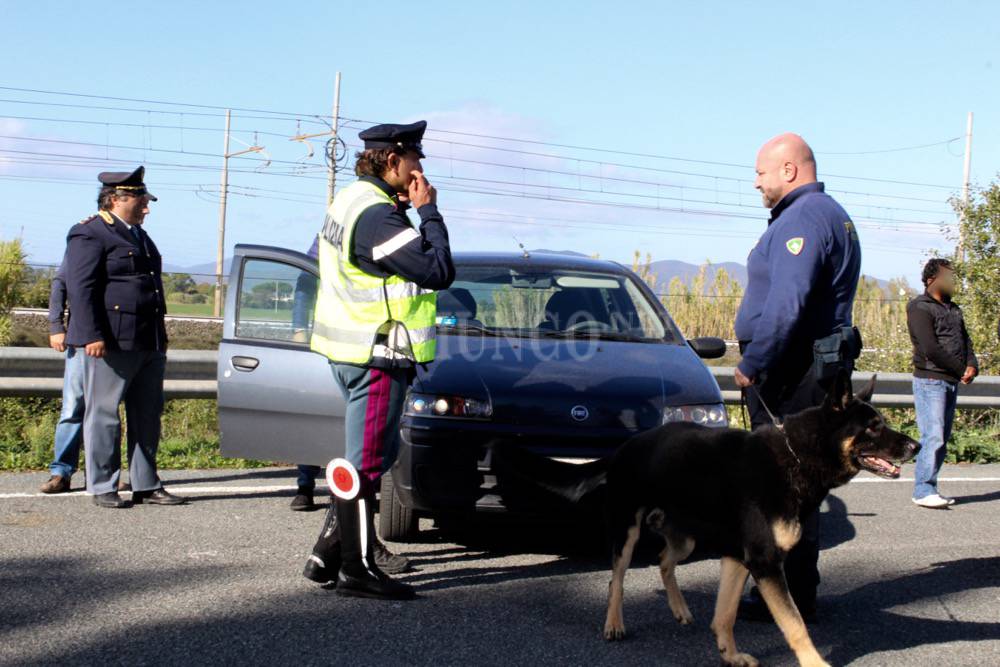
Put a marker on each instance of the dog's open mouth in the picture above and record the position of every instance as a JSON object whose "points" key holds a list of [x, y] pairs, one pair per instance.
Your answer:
{"points": [[879, 466]]}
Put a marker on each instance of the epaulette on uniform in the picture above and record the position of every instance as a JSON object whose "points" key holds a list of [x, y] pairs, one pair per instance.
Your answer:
{"points": [[103, 215]]}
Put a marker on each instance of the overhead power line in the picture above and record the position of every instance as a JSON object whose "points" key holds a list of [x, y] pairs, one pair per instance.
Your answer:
{"points": [[274, 114], [481, 183], [595, 177]]}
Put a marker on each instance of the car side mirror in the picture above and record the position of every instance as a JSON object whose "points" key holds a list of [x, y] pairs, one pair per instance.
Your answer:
{"points": [[708, 347]]}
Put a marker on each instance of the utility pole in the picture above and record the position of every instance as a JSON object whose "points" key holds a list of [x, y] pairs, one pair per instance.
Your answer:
{"points": [[223, 192], [966, 174], [331, 181], [333, 164]]}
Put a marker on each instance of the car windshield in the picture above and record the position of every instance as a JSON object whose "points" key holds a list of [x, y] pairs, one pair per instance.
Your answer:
{"points": [[499, 300]]}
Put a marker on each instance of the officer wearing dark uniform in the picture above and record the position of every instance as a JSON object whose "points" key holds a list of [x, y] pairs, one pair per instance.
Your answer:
{"points": [[116, 297], [794, 324]]}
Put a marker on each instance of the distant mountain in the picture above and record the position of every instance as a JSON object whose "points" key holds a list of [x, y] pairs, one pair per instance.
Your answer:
{"points": [[665, 270]]}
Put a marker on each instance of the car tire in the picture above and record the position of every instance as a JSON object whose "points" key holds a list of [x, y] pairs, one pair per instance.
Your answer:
{"points": [[396, 522]]}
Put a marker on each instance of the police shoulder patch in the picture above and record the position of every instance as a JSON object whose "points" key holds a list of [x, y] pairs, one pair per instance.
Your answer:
{"points": [[795, 245]]}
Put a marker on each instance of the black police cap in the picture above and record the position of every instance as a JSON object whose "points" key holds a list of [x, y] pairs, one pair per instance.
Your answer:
{"points": [[390, 135], [128, 182]]}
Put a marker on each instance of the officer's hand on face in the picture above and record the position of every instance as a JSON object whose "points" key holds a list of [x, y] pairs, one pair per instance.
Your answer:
{"points": [[421, 192], [742, 381], [57, 342], [95, 349], [970, 374]]}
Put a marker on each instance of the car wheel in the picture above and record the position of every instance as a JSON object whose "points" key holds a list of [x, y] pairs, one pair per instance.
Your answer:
{"points": [[396, 522]]}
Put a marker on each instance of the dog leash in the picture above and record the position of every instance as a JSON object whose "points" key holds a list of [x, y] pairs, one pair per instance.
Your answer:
{"points": [[777, 423]]}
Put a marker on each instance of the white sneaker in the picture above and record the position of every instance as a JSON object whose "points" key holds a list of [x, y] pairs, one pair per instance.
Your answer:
{"points": [[934, 501]]}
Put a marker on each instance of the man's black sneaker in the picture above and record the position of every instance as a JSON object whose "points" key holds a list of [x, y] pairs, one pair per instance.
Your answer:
{"points": [[389, 562], [303, 501]]}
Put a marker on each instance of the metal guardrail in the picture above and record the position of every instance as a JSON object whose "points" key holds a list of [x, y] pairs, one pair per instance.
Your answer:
{"points": [[43, 312], [892, 390], [37, 371], [33, 371]]}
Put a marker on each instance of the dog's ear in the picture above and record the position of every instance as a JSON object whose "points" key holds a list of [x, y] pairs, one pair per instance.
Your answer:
{"points": [[866, 393], [841, 392]]}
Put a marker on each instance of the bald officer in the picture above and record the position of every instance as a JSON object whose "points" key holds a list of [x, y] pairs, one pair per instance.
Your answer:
{"points": [[116, 297], [794, 323]]}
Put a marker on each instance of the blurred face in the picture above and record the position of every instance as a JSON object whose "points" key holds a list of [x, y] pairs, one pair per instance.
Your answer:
{"points": [[400, 172], [943, 282]]}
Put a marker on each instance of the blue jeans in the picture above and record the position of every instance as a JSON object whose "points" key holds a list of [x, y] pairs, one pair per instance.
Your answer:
{"points": [[935, 404], [307, 476], [69, 430]]}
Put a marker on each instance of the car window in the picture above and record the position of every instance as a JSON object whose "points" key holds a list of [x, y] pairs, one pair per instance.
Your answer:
{"points": [[549, 302], [276, 302]]}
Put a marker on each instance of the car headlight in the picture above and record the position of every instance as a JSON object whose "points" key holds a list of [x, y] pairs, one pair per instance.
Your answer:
{"points": [[713, 415], [459, 407]]}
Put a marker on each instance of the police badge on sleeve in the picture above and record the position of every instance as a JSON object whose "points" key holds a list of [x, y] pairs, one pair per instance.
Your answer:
{"points": [[795, 245]]}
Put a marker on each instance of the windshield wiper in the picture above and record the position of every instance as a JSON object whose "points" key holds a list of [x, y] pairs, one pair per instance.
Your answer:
{"points": [[468, 327], [597, 335]]}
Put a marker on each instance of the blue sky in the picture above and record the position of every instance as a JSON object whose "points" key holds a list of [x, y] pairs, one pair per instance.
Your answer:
{"points": [[703, 84]]}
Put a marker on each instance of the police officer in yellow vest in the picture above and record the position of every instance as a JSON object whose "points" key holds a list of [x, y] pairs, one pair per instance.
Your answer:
{"points": [[375, 321]]}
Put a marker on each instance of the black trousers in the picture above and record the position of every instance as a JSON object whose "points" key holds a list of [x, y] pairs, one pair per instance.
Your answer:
{"points": [[787, 388]]}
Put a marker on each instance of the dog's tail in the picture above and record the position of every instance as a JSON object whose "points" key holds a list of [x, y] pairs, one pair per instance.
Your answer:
{"points": [[572, 481]]}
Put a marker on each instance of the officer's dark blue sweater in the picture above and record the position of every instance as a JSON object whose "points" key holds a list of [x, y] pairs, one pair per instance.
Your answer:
{"points": [[801, 278], [424, 259]]}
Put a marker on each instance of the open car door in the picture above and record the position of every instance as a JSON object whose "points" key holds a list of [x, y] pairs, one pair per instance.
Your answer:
{"points": [[277, 400]]}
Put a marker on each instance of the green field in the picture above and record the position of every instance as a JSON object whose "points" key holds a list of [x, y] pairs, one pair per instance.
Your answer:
{"points": [[193, 309], [205, 310]]}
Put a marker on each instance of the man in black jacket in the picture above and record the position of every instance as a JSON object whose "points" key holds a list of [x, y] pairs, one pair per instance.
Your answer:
{"points": [[942, 357], [69, 428]]}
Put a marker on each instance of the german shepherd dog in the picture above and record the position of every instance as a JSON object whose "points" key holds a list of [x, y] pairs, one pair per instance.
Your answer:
{"points": [[741, 494]]}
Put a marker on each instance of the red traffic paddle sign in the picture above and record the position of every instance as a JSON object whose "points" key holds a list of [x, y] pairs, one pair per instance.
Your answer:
{"points": [[343, 479]]}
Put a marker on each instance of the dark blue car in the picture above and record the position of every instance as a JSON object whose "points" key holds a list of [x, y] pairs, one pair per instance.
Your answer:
{"points": [[564, 355]]}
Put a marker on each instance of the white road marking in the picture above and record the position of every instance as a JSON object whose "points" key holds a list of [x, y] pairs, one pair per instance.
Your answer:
{"points": [[178, 490], [197, 489]]}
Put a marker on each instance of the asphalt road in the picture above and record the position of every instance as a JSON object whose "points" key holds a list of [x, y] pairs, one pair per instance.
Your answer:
{"points": [[218, 582]]}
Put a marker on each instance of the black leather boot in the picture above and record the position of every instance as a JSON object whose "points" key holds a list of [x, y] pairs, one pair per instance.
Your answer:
{"points": [[359, 575], [324, 562]]}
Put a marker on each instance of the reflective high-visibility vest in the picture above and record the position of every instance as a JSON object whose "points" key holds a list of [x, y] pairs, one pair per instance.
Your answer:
{"points": [[361, 318]]}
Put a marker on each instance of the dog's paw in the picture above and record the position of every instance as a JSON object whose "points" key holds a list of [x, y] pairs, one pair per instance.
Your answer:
{"points": [[614, 632], [684, 618], [740, 660]]}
